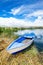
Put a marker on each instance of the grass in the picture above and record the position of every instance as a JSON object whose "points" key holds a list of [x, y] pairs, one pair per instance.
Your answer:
{"points": [[29, 56]]}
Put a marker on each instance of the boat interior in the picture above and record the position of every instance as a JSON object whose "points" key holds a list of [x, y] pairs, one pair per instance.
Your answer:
{"points": [[26, 41]]}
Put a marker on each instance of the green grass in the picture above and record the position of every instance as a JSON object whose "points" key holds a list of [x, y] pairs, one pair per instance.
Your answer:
{"points": [[29, 56]]}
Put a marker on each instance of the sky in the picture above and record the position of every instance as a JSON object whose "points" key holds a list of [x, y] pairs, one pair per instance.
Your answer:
{"points": [[21, 13]]}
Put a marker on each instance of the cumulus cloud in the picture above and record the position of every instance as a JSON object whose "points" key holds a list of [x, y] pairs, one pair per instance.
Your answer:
{"points": [[38, 21], [27, 9], [36, 13], [15, 11], [13, 22]]}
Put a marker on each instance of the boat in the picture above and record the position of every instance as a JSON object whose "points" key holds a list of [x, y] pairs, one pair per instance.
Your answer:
{"points": [[20, 43]]}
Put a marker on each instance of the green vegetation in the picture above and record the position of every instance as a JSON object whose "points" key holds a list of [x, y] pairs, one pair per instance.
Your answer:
{"points": [[10, 30], [30, 56]]}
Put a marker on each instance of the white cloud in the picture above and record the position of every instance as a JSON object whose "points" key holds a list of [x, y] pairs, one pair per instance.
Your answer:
{"points": [[13, 22], [36, 13], [15, 11], [27, 9], [38, 22]]}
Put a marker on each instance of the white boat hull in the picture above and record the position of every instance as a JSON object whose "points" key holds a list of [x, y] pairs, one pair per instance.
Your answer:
{"points": [[14, 50]]}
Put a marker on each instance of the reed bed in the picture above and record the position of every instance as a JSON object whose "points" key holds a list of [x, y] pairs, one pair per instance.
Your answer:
{"points": [[30, 56]]}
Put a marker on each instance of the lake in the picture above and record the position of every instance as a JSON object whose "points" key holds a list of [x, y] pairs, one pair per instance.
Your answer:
{"points": [[38, 42]]}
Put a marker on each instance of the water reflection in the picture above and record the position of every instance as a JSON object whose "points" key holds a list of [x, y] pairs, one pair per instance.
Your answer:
{"points": [[38, 40], [36, 31]]}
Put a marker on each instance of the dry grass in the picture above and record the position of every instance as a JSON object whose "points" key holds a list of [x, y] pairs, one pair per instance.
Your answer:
{"points": [[30, 56]]}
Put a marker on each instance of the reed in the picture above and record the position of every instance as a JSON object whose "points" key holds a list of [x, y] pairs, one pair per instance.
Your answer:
{"points": [[30, 56]]}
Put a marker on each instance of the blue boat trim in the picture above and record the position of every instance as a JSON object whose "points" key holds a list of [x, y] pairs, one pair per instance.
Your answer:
{"points": [[30, 35], [20, 50], [18, 42]]}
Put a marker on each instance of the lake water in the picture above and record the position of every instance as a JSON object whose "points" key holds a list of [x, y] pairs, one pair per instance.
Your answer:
{"points": [[38, 42]]}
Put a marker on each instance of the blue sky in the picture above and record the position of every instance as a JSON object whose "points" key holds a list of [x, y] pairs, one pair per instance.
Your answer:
{"points": [[21, 12]]}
